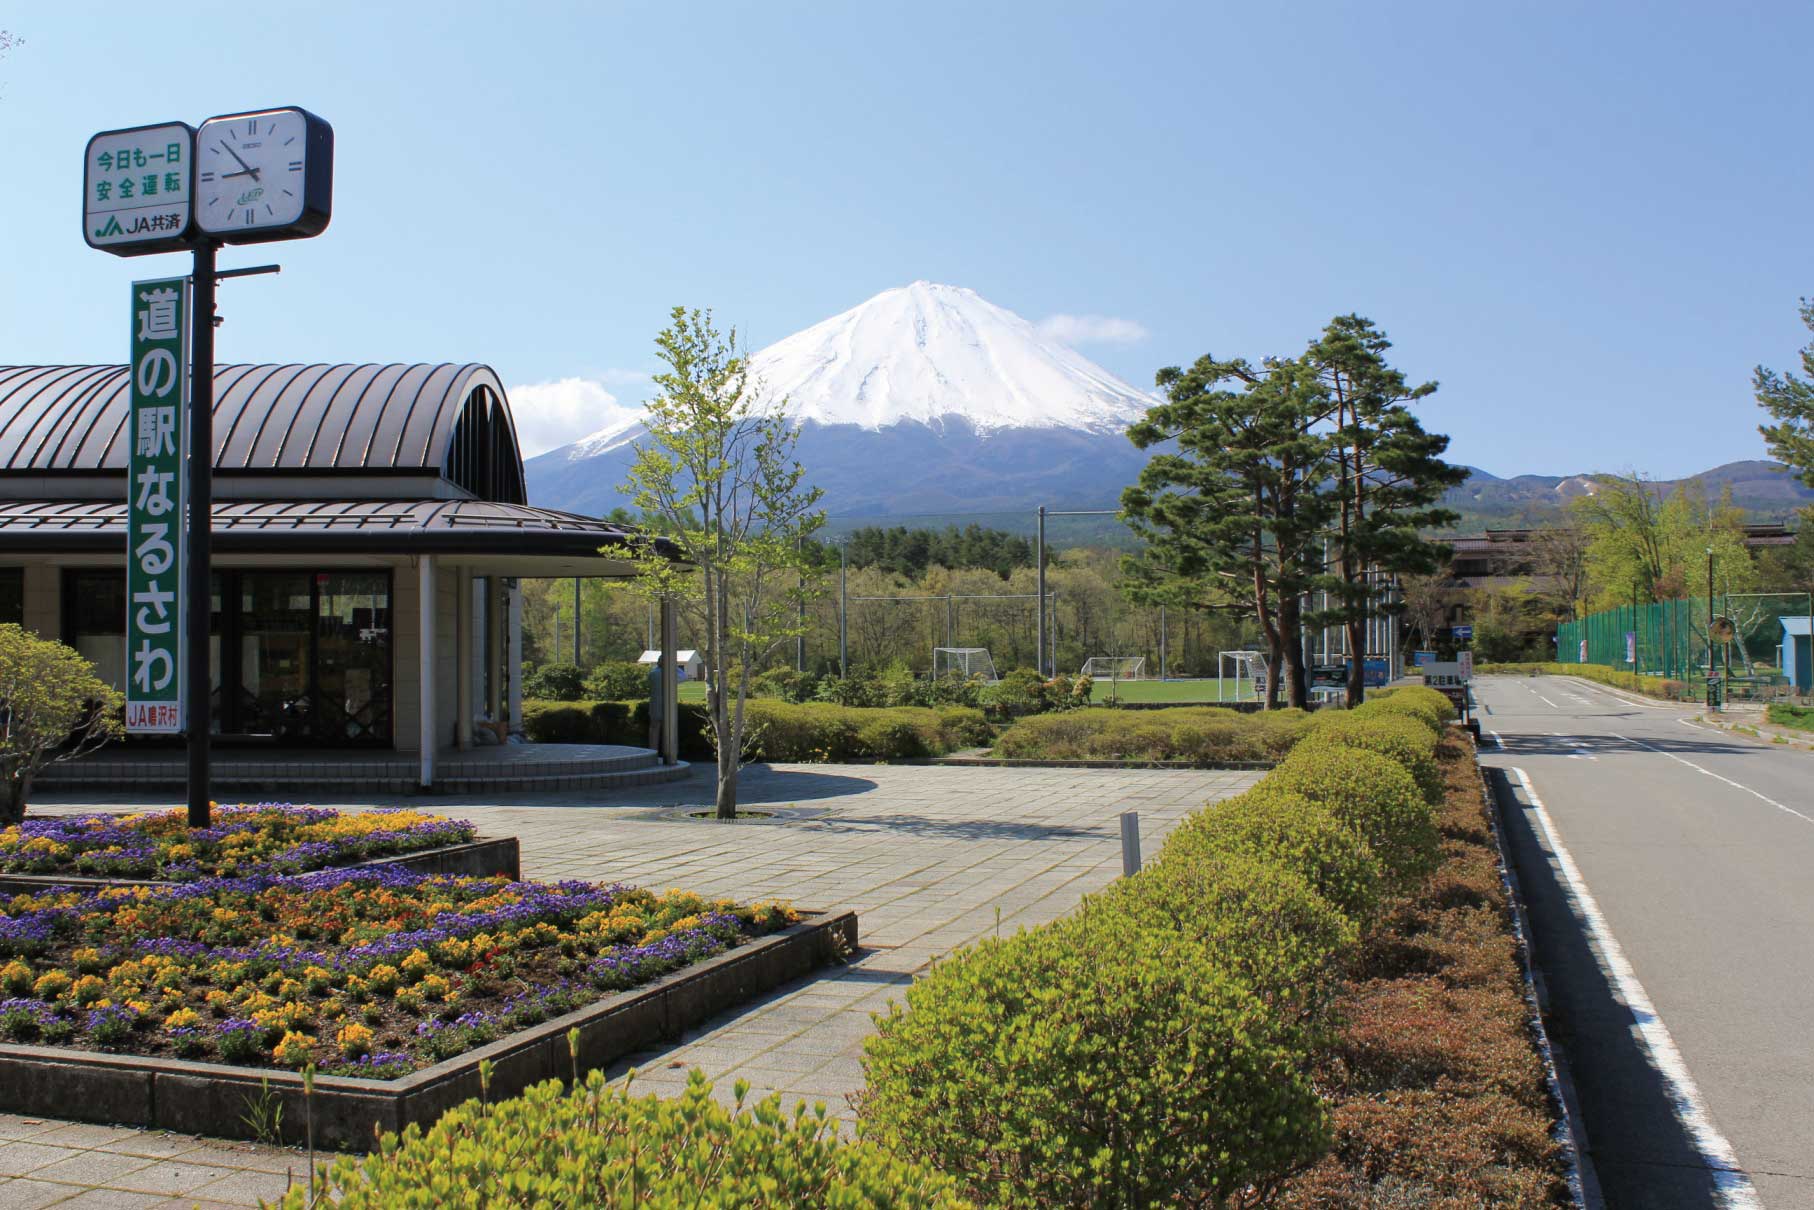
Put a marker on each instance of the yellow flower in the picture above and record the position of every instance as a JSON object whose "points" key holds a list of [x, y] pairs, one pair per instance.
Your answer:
{"points": [[87, 989], [183, 1018], [294, 1050], [355, 1039], [15, 978]]}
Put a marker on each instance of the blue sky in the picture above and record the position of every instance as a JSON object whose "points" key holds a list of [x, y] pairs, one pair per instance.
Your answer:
{"points": [[1587, 221]]}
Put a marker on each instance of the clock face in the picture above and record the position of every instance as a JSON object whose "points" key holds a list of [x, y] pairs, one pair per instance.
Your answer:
{"points": [[264, 175]]}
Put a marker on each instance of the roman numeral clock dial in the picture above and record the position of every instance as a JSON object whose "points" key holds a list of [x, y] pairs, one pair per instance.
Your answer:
{"points": [[264, 176]]}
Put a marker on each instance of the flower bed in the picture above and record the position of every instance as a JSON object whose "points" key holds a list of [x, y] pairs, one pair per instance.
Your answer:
{"points": [[247, 840], [372, 972]]}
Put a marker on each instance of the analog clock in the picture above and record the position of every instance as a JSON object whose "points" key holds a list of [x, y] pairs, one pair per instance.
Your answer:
{"points": [[264, 176]]}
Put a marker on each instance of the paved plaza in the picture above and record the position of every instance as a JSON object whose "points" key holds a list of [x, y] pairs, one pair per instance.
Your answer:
{"points": [[930, 857]]}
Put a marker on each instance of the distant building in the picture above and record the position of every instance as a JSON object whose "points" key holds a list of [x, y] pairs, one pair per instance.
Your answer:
{"points": [[690, 664]]}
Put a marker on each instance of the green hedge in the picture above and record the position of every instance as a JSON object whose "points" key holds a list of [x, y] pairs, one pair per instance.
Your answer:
{"points": [[1374, 795], [1097, 1061], [1304, 837], [603, 1147], [1401, 737], [1183, 733], [1785, 715], [1426, 705], [776, 730]]}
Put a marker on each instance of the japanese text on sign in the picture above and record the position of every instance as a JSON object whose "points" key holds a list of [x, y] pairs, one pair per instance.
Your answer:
{"points": [[157, 481], [136, 188]]}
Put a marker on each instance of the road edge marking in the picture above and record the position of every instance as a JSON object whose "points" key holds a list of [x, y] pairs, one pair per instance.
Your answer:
{"points": [[1729, 1180], [1680, 760]]}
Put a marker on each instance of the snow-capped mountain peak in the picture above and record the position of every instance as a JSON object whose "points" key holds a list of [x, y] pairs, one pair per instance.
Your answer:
{"points": [[927, 352]]}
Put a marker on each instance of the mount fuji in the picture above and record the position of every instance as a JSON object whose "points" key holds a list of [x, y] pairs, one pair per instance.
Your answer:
{"points": [[927, 400]]}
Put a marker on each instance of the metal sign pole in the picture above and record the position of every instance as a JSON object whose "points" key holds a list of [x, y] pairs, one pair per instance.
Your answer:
{"points": [[198, 714]]}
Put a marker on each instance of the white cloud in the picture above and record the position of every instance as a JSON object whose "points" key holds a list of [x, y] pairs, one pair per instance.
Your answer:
{"points": [[1091, 330], [552, 414]]}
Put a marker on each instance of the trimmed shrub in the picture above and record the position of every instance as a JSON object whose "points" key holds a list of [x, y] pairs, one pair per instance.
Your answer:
{"points": [[1401, 737], [603, 1147], [1257, 916], [580, 722], [1275, 825], [964, 726], [558, 682], [618, 681], [1372, 794], [1427, 705], [1087, 1063], [1185, 733]]}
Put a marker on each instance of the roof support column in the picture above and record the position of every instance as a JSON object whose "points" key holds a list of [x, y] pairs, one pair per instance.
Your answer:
{"points": [[515, 671], [425, 636], [670, 685], [494, 647], [463, 658]]}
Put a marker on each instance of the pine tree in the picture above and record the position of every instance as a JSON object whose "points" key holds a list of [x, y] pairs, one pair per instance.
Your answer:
{"points": [[1230, 518], [1790, 400], [1389, 479]]}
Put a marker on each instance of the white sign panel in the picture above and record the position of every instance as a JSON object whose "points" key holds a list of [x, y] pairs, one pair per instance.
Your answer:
{"points": [[138, 189]]}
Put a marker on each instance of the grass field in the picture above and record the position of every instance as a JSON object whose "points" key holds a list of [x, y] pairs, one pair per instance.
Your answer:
{"points": [[1173, 691]]}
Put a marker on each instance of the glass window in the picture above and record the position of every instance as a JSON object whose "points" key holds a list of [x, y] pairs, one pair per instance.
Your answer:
{"points": [[275, 649], [12, 595], [95, 620], [353, 656]]}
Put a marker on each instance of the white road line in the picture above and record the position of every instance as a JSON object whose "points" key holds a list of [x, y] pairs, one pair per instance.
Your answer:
{"points": [[1734, 1187], [1497, 741], [1716, 777], [1546, 701]]}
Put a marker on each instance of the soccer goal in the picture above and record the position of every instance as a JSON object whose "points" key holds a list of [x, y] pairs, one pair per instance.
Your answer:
{"points": [[969, 663], [1115, 668], [1249, 667]]}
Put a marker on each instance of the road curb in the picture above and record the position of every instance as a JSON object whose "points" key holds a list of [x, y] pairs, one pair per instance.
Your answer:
{"points": [[1583, 1181]]}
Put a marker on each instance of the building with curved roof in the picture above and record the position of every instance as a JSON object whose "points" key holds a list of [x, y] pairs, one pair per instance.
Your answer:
{"points": [[369, 522]]}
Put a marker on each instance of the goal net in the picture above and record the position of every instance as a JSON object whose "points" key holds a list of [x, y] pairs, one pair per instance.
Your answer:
{"points": [[1115, 667], [967, 663], [1248, 669]]}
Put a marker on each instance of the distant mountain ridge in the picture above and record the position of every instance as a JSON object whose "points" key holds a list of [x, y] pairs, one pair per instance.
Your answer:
{"points": [[930, 404], [1768, 490]]}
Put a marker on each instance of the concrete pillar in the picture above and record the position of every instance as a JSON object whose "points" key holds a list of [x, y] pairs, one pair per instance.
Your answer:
{"points": [[515, 671], [670, 686], [425, 602], [463, 658]]}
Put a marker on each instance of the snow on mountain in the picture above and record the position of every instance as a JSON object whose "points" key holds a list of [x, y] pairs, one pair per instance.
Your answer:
{"points": [[928, 352]]}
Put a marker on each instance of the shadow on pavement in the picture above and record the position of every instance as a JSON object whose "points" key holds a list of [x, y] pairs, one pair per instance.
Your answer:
{"points": [[1598, 743], [1642, 1153]]}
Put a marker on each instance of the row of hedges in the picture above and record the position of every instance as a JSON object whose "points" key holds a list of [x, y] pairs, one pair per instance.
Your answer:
{"points": [[781, 731], [1308, 998], [1163, 1045], [1198, 734], [1617, 678]]}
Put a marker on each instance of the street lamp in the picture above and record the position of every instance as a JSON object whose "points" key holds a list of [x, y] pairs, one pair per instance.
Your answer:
{"points": [[1712, 684]]}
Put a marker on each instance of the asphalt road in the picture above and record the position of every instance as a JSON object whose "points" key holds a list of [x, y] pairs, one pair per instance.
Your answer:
{"points": [[1671, 895]]}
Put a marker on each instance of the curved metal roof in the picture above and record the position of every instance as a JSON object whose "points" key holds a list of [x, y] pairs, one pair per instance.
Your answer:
{"points": [[329, 526], [447, 420]]}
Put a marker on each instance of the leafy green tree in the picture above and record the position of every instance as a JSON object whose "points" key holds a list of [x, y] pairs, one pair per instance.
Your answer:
{"points": [[1231, 518], [52, 707], [717, 474], [1644, 547], [1790, 402], [1389, 480]]}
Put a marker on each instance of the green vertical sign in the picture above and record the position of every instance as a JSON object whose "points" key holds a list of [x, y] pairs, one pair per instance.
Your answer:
{"points": [[156, 491]]}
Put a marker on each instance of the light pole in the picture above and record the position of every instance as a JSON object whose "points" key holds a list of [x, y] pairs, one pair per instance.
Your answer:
{"points": [[1712, 685]]}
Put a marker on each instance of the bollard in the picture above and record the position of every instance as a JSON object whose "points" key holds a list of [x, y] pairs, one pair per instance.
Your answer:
{"points": [[1130, 843]]}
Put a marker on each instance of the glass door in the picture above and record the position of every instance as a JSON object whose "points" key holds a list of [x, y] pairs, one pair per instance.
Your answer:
{"points": [[353, 657], [275, 648]]}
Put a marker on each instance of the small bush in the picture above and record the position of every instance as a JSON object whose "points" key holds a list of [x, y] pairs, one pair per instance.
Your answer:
{"points": [[1427, 705], [555, 682], [1258, 917], [1372, 794], [1305, 837], [1401, 737], [964, 726], [1186, 733], [604, 1147], [581, 722], [1087, 1063], [618, 681]]}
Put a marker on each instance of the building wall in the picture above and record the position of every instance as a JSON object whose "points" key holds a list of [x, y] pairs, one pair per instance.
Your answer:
{"points": [[44, 599]]}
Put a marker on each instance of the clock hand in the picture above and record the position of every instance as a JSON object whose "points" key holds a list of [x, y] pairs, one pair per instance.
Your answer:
{"points": [[242, 163], [251, 172]]}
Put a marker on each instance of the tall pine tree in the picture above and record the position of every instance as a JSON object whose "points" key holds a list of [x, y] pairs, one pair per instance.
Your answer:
{"points": [[1231, 518]]}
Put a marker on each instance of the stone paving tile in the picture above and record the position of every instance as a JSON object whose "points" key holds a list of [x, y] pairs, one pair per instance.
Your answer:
{"points": [[932, 858]]}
